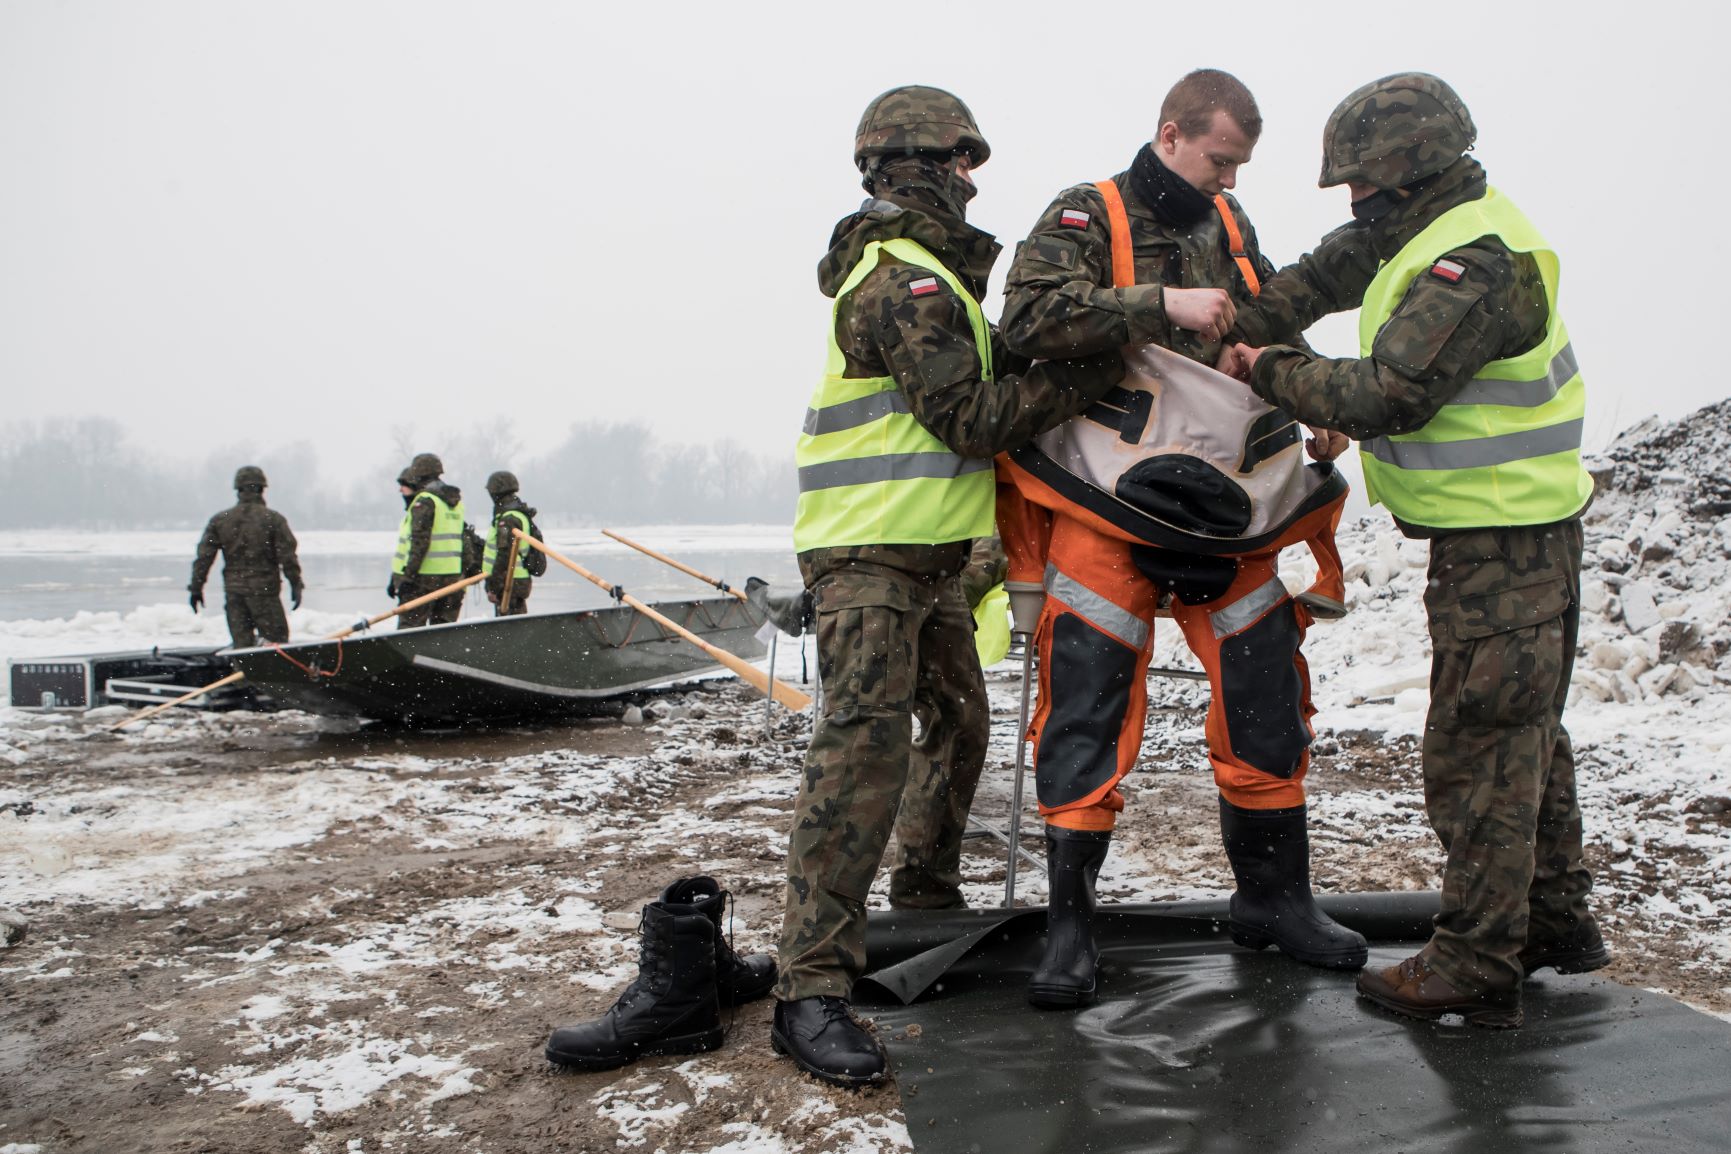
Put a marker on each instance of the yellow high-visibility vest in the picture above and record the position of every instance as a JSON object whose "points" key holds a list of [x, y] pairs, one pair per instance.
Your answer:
{"points": [[1505, 450], [445, 552], [869, 473], [491, 552]]}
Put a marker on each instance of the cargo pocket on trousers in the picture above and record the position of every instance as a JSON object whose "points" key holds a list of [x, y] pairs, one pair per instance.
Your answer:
{"points": [[1511, 646], [863, 639], [1262, 692]]}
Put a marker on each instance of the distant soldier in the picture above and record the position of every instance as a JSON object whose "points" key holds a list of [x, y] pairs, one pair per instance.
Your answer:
{"points": [[509, 512], [429, 543], [258, 550]]}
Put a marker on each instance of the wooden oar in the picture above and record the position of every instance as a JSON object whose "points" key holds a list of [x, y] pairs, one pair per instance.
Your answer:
{"points": [[510, 578], [337, 636], [683, 568], [786, 694]]}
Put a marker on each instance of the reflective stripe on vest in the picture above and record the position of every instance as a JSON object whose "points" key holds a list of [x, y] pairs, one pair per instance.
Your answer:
{"points": [[445, 550], [491, 552], [1505, 450], [869, 472]]}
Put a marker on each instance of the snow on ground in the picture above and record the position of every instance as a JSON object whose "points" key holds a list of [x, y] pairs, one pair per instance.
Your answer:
{"points": [[332, 928]]}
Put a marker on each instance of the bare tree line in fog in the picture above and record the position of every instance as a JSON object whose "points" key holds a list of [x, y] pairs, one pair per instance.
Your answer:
{"points": [[85, 473]]}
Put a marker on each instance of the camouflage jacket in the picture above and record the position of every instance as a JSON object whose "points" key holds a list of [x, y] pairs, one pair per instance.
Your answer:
{"points": [[421, 523], [927, 343], [256, 544], [987, 568], [503, 540], [1440, 336], [1060, 301]]}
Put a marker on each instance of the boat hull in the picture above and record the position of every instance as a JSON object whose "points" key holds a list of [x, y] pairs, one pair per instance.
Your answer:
{"points": [[500, 668]]}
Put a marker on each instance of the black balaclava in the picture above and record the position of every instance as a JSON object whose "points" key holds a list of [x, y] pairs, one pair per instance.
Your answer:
{"points": [[923, 177], [1173, 200]]}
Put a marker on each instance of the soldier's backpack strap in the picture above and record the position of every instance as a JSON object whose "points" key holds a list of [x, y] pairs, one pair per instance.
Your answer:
{"points": [[1235, 245], [1118, 226]]}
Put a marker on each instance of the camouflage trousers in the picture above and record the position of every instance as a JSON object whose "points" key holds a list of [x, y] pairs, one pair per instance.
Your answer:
{"points": [[893, 645], [440, 612], [519, 598], [1499, 772], [253, 617]]}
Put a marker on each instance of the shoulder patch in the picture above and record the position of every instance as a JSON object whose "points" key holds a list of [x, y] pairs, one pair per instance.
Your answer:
{"points": [[924, 287], [1074, 218], [1449, 270]]}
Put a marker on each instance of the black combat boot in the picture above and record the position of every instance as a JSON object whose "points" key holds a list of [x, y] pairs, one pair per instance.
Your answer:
{"points": [[737, 979], [1270, 854], [1065, 978], [669, 1009], [823, 1039]]}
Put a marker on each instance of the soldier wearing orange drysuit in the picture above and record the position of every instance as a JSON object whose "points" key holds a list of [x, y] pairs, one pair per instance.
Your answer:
{"points": [[1168, 496]]}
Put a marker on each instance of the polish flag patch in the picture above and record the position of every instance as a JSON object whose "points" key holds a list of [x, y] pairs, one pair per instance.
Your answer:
{"points": [[1074, 218], [924, 287], [1449, 270]]}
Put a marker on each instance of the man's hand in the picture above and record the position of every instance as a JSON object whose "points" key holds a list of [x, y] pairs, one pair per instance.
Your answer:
{"points": [[295, 596], [1326, 444], [1245, 359], [197, 598], [1208, 312], [1232, 363], [493, 597], [391, 589]]}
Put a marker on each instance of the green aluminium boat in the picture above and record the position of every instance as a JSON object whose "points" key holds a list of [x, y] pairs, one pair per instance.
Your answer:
{"points": [[500, 668]]}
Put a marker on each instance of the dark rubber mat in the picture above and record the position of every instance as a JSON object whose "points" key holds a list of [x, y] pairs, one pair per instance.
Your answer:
{"points": [[1199, 1046]]}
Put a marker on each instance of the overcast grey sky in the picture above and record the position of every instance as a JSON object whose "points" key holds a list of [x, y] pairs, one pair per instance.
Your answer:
{"points": [[243, 224]]}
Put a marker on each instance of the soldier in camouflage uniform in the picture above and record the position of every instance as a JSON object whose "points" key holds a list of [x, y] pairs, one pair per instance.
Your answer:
{"points": [[894, 632], [422, 475], [509, 512], [258, 549], [1443, 363]]}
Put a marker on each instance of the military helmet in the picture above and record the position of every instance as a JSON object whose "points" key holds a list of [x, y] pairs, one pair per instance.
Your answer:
{"points": [[1394, 131], [501, 483], [425, 467], [249, 475], [917, 118]]}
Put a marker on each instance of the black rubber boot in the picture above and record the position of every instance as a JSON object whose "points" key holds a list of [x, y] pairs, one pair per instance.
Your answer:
{"points": [[1065, 978], [737, 979], [1270, 854], [822, 1037], [669, 1009]]}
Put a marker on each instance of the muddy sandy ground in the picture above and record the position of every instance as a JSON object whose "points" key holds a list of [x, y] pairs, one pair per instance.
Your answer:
{"points": [[261, 933]]}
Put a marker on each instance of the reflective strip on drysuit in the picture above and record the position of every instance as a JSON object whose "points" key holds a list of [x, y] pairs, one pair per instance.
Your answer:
{"points": [[1095, 639]]}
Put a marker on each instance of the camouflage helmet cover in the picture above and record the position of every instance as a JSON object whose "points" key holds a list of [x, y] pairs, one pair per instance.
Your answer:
{"points": [[425, 467], [249, 475], [501, 483], [1394, 131], [917, 118]]}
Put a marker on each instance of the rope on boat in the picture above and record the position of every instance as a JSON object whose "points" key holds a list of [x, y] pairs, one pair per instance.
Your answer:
{"points": [[312, 670]]}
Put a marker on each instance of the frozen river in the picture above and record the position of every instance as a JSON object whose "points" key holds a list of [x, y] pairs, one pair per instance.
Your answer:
{"points": [[67, 592]]}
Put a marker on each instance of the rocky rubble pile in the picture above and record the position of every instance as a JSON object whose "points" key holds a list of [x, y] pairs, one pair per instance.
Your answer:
{"points": [[1656, 578]]}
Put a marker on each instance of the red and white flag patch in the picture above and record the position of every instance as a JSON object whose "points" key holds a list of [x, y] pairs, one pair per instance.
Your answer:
{"points": [[1449, 270], [1074, 218], [924, 287]]}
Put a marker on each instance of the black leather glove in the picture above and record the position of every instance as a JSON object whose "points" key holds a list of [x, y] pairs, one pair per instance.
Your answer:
{"points": [[295, 596], [391, 589], [196, 600]]}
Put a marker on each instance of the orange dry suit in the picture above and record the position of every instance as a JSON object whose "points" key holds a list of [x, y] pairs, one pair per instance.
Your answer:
{"points": [[1174, 494]]}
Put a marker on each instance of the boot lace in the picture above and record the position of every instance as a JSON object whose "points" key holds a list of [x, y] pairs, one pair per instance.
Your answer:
{"points": [[654, 968]]}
